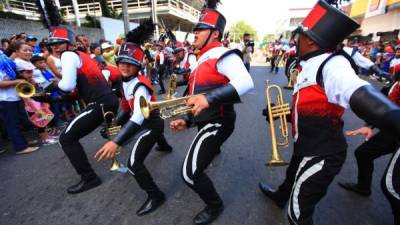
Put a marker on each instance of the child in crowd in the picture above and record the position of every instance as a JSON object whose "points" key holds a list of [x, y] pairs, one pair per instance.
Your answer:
{"points": [[41, 67], [9, 103], [25, 71]]}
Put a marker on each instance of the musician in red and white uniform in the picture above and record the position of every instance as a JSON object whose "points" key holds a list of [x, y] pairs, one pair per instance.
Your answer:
{"points": [[326, 86], [160, 64], [184, 63], [222, 76], [81, 72], [291, 62], [276, 55], [375, 146], [135, 86]]}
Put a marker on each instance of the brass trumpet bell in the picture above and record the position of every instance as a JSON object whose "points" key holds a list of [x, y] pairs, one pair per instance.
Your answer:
{"points": [[25, 90], [168, 108]]}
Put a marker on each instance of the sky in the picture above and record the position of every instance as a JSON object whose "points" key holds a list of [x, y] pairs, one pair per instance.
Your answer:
{"points": [[261, 14]]}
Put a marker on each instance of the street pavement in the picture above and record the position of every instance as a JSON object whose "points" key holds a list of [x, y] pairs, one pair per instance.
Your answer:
{"points": [[32, 190]]}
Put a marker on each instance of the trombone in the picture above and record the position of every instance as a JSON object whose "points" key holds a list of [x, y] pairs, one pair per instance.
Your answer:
{"points": [[112, 129], [279, 110]]}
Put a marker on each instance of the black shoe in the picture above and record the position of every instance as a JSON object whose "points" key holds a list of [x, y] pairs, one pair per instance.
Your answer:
{"points": [[355, 188], [84, 185], [207, 215], [166, 148], [273, 195], [151, 204]]}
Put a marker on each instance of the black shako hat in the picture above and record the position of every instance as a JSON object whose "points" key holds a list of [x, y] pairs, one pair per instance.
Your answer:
{"points": [[327, 25], [210, 18]]}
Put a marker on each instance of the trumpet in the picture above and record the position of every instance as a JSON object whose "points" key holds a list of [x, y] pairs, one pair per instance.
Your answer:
{"points": [[112, 129], [168, 108], [279, 110], [25, 90], [171, 87]]}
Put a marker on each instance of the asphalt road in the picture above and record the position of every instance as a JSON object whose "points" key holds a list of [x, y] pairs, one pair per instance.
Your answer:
{"points": [[32, 190]]}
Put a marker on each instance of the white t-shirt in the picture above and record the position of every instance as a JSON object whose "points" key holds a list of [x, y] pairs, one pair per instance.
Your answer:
{"points": [[394, 62], [57, 63], [7, 94]]}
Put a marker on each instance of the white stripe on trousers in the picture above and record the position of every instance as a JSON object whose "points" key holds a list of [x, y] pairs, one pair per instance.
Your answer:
{"points": [[301, 165], [132, 159], [77, 118], [294, 203], [198, 144], [389, 176]]}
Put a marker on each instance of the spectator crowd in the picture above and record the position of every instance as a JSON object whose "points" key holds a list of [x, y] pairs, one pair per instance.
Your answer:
{"points": [[24, 58]]}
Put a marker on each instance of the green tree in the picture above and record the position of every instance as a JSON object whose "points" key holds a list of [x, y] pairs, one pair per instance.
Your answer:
{"points": [[237, 30], [269, 37]]}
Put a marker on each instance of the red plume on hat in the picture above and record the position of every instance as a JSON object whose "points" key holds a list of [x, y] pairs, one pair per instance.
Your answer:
{"points": [[210, 18], [130, 51]]}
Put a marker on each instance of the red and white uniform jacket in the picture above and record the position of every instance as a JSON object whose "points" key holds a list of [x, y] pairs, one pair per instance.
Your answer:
{"points": [[188, 62], [132, 91], [81, 72], [217, 66], [317, 109]]}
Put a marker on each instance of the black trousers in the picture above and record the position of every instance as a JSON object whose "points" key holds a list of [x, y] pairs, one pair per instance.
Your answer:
{"points": [[380, 144], [82, 125], [161, 73], [274, 64], [205, 146], [390, 184], [307, 180], [153, 132]]}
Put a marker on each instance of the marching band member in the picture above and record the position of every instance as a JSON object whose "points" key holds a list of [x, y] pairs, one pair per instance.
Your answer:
{"points": [[130, 59], [184, 64], [276, 54], [160, 64], [221, 74], [375, 146], [326, 86], [82, 73]]}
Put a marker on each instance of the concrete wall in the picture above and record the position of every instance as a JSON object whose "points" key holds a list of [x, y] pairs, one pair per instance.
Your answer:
{"points": [[382, 23], [8, 27]]}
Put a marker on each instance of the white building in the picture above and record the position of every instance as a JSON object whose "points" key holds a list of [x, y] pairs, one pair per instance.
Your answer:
{"points": [[177, 14]]}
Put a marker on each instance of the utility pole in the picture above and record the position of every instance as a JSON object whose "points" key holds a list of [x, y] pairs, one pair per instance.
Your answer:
{"points": [[76, 12], [125, 15], [154, 17]]}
